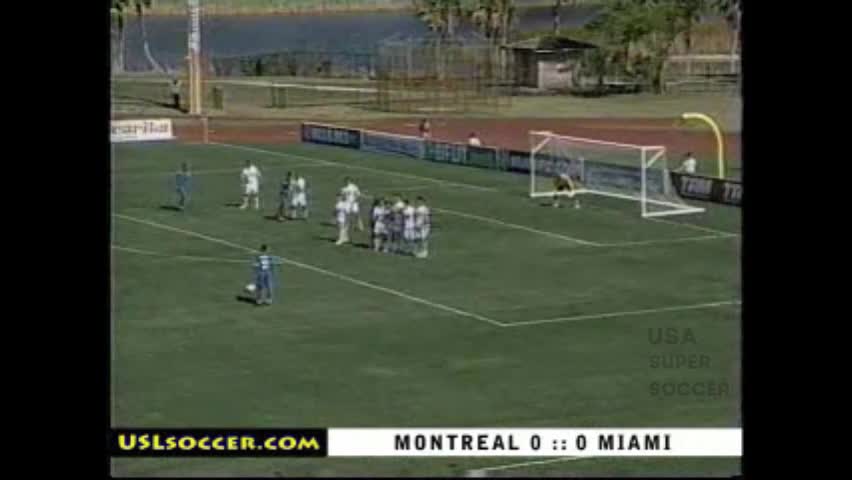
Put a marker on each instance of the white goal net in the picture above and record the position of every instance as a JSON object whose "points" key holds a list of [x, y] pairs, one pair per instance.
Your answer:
{"points": [[618, 170]]}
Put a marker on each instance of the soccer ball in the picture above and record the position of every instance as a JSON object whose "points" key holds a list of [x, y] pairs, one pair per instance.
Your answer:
{"points": [[251, 288]]}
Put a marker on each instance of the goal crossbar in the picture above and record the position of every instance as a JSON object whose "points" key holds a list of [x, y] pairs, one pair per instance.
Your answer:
{"points": [[592, 141]]}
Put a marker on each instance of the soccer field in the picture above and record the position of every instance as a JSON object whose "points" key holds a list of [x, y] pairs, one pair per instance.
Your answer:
{"points": [[522, 316]]}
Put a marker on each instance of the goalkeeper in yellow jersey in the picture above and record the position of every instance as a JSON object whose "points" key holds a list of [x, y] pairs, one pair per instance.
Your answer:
{"points": [[563, 184]]}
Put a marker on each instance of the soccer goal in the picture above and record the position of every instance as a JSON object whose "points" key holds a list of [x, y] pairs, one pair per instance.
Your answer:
{"points": [[618, 170]]}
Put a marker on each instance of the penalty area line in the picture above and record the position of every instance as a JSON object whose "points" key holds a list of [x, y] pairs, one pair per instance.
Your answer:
{"points": [[314, 269], [629, 313]]}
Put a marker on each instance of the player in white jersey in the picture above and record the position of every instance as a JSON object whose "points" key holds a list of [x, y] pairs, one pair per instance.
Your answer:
{"points": [[251, 177], [422, 225], [396, 223], [341, 217], [352, 194], [378, 217], [299, 194], [409, 232]]}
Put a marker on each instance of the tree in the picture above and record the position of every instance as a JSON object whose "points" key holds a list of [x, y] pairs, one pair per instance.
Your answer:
{"points": [[494, 18], [621, 25], [439, 15], [118, 19], [690, 11], [119, 9], [556, 13], [732, 10]]}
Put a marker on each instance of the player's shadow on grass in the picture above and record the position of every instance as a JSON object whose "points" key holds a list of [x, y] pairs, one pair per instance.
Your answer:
{"points": [[171, 208], [325, 238], [246, 299], [234, 205], [362, 245]]}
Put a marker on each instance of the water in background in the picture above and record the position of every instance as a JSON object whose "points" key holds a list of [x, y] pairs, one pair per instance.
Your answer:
{"points": [[247, 35]]}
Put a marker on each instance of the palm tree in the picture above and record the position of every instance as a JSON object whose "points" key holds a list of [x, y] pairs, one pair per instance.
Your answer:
{"points": [[557, 4], [141, 5], [439, 15], [119, 10], [117, 14]]}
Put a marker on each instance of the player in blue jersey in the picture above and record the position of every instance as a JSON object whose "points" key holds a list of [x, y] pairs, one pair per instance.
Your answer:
{"points": [[264, 276], [284, 197], [183, 185]]}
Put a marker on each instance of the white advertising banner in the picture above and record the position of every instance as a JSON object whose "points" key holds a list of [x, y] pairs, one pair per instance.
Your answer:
{"points": [[140, 130]]}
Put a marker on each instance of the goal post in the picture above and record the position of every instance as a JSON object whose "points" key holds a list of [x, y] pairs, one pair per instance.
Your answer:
{"points": [[624, 171]]}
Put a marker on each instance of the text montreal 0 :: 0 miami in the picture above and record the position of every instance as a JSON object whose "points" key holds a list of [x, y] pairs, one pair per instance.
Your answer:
{"points": [[492, 442]]}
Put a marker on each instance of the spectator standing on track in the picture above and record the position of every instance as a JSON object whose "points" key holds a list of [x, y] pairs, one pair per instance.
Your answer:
{"points": [[175, 89], [473, 140], [689, 165], [425, 128]]}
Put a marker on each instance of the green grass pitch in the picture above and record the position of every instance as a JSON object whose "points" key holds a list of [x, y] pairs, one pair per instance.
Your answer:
{"points": [[359, 339]]}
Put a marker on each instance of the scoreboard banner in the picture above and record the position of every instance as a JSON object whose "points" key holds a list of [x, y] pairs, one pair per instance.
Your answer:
{"points": [[329, 135], [709, 189], [140, 130], [428, 442]]}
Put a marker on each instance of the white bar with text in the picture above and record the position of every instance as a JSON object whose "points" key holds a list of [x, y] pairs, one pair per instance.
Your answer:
{"points": [[538, 442]]}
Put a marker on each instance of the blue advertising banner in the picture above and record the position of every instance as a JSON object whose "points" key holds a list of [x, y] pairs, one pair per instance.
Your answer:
{"points": [[446, 152], [328, 135], [484, 157], [390, 143]]}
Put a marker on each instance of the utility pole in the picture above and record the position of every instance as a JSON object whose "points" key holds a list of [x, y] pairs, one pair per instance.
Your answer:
{"points": [[194, 58]]}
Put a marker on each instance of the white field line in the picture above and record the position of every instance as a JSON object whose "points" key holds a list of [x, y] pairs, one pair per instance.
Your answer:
{"points": [[312, 268], [478, 472], [629, 313], [510, 225], [669, 241], [179, 257], [670, 222], [357, 167], [518, 227], [693, 226]]}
